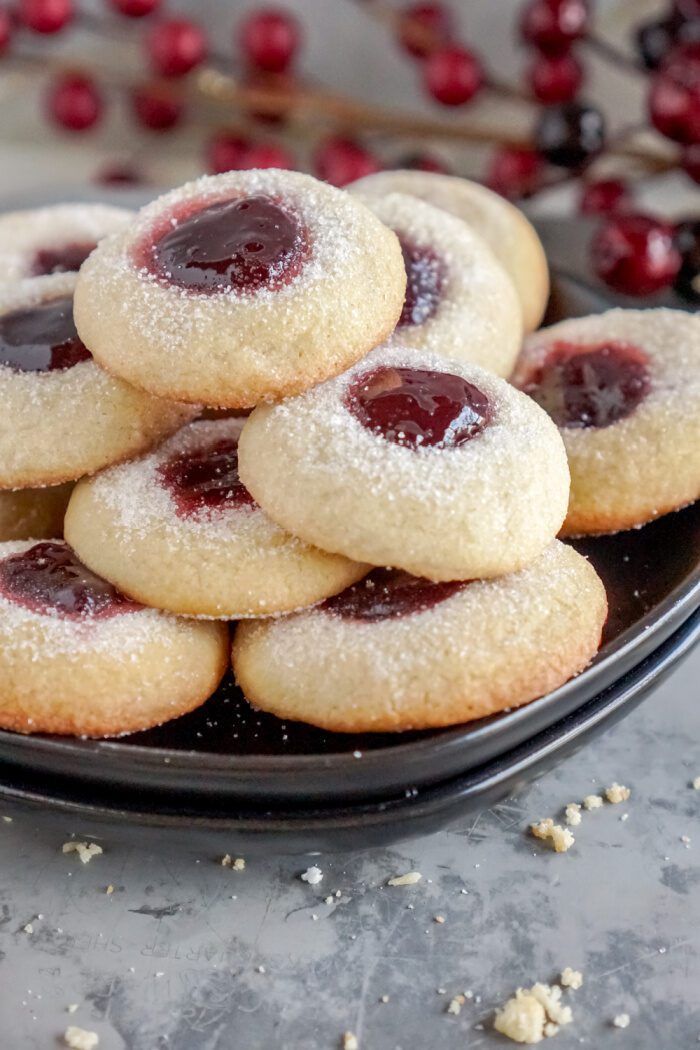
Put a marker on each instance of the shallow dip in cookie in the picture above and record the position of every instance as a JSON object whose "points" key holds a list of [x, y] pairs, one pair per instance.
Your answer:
{"points": [[395, 652]]}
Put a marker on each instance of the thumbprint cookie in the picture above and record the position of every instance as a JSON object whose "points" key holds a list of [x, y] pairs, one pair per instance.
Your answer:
{"points": [[56, 239], [624, 389], [395, 652], [459, 301], [412, 461], [77, 657], [178, 530], [509, 235], [62, 415], [33, 514], [241, 287]]}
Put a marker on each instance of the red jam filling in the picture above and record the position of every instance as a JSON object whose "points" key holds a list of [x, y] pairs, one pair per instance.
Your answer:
{"points": [[49, 578], [41, 338], [243, 244], [389, 593], [424, 280], [590, 386], [416, 408], [66, 259], [206, 479]]}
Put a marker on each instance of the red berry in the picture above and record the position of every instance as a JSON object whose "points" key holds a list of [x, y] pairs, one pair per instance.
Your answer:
{"points": [[606, 195], [423, 27], [225, 151], [636, 254], [270, 39], [340, 160], [74, 101], [46, 16], [674, 102], [175, 47], [690, 160], [265, 155], [5, 30], [118, 174], [452, 75], [156, 107], [555, 78], [514, 173], [552, 26], [135, 8]]}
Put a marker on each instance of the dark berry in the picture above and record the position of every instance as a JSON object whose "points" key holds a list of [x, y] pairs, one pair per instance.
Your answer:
{"points": [[341, 160], [514, 173], [424, 27], [570, 134], [74, 102], [135, 8], [270, 39], [156, 107], [46, 16], [690, 160], [603, 196], [674, 100], [687, 282], [636, 254], [175, 47], [553, 26], [225, 151], [452, 75], [555, 78]]}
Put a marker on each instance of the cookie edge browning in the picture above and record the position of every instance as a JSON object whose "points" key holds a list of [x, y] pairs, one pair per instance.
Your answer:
{"points": [[381, 711]]}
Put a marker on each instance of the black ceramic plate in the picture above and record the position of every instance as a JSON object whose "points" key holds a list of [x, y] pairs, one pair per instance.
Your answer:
{"points": [[228, 752]]}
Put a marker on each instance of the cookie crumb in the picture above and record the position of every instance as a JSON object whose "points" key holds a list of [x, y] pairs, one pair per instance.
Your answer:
{"points": [[409, 879], [532, 1014], [260, 969], [572, 814], [312, 875], [110, 890], [350, 1041], [29, 928], [561, 838], [8, 820], [550, 1028], [85, 850], [685, 839], [455, 1005], [592, 802], [617, 793], [235, 864], [383, 998], [439, 919], [72, 1008], [621, 1021], [80, 1039], [696, 785], [571, 978]]}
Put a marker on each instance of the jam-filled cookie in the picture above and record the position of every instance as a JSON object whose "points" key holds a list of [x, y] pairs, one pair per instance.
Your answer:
{"points": [[78, 657], [459, 301], [178, 530], [241, 287], [56, 239], [62, 415], [33, 514], [412, 461], [395, 652], [505, 229], [624, 389]]}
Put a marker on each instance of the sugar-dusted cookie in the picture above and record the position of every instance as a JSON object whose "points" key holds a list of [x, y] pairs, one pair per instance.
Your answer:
{"points": [[77, 657], [62, 415], [395, 652], [33, 514], [624, 389], [178, 530], [241, 287], [505, 229], [55, 239], [459, 301], [412, 461]]}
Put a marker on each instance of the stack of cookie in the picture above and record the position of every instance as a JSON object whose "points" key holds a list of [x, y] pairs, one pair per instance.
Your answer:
{"points": [[383, 524]]}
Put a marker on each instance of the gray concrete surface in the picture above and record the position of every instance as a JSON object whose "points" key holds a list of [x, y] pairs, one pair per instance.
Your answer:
{"points": [[188, 955]]}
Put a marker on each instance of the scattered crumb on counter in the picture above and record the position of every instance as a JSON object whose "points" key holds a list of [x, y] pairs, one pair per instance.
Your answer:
{"points": [[592, 802], [561, 838], [571, 978], [350, 1041], [455, 1004], [383, 998], [312, 875], [572, 814], [85, 850], [696, 785], [533, 1014], [110, 890], [72, 1008], [621, 1021], [236, 864], [617, 793], [409, 879], [80, 1039], [550, 1028], [439, 919], [8, 820], [29, 928]]}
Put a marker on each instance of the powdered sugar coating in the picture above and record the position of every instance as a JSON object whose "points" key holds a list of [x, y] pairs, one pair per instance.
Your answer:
{"points": [[505, 229], [23, 233], [236, 348], [495, 643], [478, 318], [58, 425], [649, 462], [487, 507], [226, 562]]}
